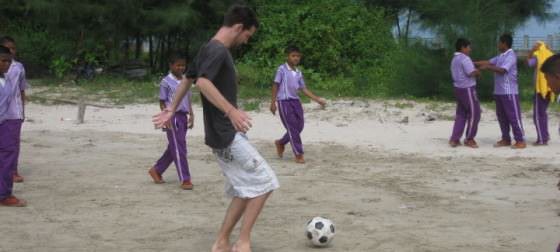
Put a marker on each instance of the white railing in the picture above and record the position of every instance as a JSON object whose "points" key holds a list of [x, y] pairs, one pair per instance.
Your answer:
{"points": [[520, 43]]}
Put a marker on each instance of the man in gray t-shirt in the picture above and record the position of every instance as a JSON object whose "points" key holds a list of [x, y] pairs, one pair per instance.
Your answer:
{"points": [[249, 179], [214, 62]]}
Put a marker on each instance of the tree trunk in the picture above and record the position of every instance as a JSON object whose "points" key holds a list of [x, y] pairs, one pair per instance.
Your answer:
{"points": [[138, 50], [407, 29], [151, 53]]}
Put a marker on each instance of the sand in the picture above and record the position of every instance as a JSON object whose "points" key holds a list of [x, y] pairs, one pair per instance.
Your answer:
{"points": [[380, 170]]}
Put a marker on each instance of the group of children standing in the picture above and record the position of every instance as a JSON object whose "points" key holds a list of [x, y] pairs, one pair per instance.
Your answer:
{"points": [[506, 94], [12, 99], [287, 84]]}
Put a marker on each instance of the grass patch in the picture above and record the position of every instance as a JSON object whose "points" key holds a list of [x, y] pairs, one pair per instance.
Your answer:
{"points": [[106, 89]]}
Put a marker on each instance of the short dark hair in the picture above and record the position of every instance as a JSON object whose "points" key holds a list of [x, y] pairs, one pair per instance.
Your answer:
{"points": [[291, 49], [241, 14], [5, 39], [461, 43], [4, 50], [507, 39], [551, 65], [175, 56]]}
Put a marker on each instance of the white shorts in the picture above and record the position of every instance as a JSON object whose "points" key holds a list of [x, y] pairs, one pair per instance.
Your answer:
{"points": [[247, 174]]}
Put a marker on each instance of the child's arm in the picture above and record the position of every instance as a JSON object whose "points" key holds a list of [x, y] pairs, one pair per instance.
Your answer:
{"points": [[474, 73], [481, 63], [494, 69], [313, 97], [162, 104], [273, 101], [23, 99]]}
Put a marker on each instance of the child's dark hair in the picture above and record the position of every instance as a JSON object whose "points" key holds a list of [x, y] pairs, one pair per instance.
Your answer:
{"points": [[551, 65], [176, 56], [507, 39], [291, 49], [241, 14], [5, 39], [4, 50], [461, 43]]}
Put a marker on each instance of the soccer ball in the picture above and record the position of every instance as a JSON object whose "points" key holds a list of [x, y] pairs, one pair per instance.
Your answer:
{"points": [[319, 231]]}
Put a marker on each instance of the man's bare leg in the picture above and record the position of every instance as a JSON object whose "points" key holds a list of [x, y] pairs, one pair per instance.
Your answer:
{"points": [[233, 214], [252, 211]]}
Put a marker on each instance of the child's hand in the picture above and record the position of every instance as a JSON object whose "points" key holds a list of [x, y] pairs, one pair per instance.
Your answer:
{"points": [[273, 108], [322, 102], [190, 124]]}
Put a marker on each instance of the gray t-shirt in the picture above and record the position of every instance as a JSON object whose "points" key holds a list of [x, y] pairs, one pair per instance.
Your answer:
{"points": [[214, 62]]}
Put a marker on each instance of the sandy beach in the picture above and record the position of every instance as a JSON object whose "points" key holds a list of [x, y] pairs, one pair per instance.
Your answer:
{"points": [[380, 170]]}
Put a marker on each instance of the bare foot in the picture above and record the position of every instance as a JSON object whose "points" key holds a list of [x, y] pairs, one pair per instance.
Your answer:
{"points": [[221, 246], [241, 246]]}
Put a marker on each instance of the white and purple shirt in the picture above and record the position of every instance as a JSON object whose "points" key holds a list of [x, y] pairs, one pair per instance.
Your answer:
{"points": [[289, 81], [505, 84], [167, 89], [461, 67], [11, 85]]}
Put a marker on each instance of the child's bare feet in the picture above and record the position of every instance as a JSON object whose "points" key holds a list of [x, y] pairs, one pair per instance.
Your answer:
{"points": [[221, 246], [241, 246]]}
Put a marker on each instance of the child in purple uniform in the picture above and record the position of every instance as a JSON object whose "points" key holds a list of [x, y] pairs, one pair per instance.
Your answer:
{"points": [[10, 128], [17, 74], [287, 83], [506, 95], [543, 95], [468, 107], [177, 128]]}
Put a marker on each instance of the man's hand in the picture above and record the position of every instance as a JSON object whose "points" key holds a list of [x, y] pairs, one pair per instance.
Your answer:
{"points": [[240, 120], [163, 118], [190, 123], [273, 108]]}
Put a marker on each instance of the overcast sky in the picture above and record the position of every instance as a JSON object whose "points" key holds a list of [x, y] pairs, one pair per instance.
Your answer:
{"points": [[533, 28]]}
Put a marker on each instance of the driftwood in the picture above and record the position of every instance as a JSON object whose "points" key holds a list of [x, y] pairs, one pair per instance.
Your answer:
{"points": [[81, 106]]}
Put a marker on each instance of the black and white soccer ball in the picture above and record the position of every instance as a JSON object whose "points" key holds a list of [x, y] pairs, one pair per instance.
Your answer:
{"points": [[320, 231]]}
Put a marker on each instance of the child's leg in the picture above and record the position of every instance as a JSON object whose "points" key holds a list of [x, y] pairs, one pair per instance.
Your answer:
{"points": [[460, 115], [502, 117], [9, 144], [513, 113], [544, 117], [282, 111], [291, 113], [536, 118], [166, 159], [299, 123], [18, 150], [540, 118], [178, 146], [473, 117]]}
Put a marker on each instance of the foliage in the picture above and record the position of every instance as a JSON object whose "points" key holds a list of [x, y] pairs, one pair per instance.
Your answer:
{"points": [[337, 51]]}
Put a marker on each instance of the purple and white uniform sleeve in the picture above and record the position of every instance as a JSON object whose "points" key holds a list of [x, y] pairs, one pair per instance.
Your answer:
{"points": [[532, 62], [279, 76], [508, 63], [301, 82], [468, 66], [163, 91]]}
